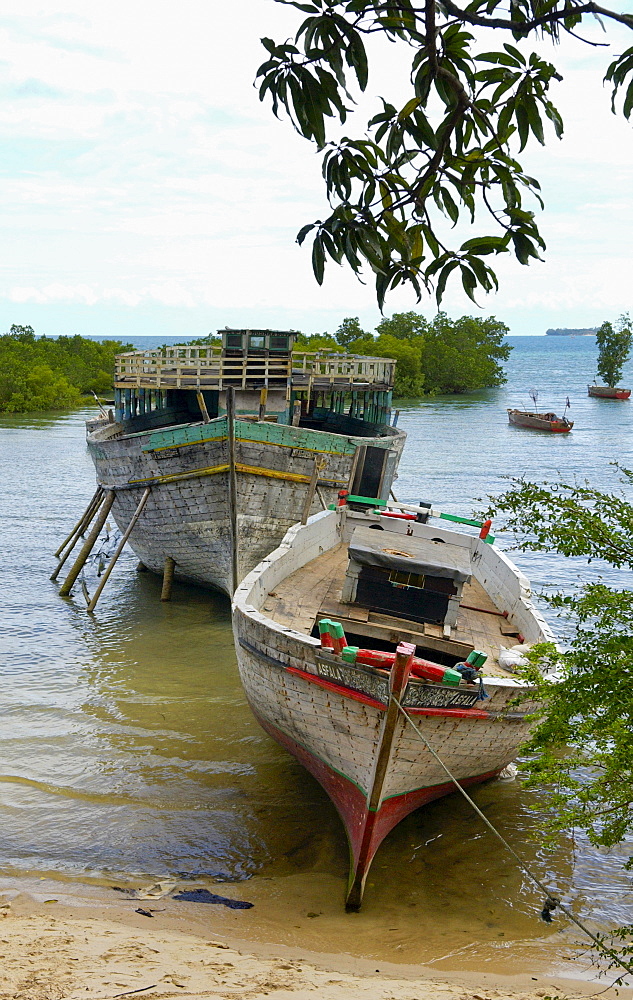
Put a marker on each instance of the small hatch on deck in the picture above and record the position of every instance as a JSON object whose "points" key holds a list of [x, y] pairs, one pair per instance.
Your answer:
{"points": [[406, 576]]}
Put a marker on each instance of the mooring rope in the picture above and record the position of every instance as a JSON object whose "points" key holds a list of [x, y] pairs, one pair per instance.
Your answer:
{"points": [[551, 901]]}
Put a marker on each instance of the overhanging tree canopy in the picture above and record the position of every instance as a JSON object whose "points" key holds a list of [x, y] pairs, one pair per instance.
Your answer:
{"points": [[450, 151]]}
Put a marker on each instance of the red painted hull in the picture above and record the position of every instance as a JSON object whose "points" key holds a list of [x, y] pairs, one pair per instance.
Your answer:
{"points": [[365, 830], [537, 422], [606, 392]]}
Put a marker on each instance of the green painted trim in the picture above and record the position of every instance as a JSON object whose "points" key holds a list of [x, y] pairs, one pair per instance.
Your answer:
{"points": [[281, 435], [461, 520], [370, 500]]}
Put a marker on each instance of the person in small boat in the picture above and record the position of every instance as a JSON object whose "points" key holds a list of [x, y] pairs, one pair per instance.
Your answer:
{"points": [[550, 416]]}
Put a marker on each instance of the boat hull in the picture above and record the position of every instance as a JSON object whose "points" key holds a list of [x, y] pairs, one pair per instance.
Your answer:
{"points": [[608, 392], [535, 422], [188, 515], [350, 725], [336, 732]]}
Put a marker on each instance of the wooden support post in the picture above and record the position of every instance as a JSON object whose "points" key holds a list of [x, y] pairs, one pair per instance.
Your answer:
{"points": [[79, 530], [119, 549], [206, 419], [230, 429], [296, 412], [168, 578], [312, 485], [263, 399], [94, 502], [88, 545], [398, 680]]}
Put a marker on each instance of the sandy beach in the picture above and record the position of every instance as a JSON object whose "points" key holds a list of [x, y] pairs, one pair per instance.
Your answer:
{"points": [[53, 951]]}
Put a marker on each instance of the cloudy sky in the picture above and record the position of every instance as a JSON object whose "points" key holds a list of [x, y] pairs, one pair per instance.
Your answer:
{"points": [[145, 190]]}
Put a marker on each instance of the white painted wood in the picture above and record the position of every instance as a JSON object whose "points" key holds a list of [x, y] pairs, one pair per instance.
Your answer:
{"points": [[341, 731]]}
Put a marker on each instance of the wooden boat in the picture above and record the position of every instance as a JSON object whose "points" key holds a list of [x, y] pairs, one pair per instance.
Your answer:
{"points": [[410, 593], [540, 421], [235, 445], [608, 392]]}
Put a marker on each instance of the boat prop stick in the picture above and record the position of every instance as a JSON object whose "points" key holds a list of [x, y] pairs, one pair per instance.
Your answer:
{"points": [[81, 523], [88, 545], [168, 578], [398, 680], [119, 548], [230, 432]]}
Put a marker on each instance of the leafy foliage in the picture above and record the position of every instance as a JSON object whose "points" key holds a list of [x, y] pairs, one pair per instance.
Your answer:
{"points": [[449, 152], [441, 356], [45, 374], [349, 330], [614, 347], [582, 743]]}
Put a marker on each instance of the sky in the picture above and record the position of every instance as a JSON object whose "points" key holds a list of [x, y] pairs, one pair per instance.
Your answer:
{"points": [[144, 189]]}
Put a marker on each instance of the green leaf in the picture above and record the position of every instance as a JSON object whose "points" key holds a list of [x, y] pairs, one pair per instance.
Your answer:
{"points": [[443, 278], [409, 107], [318, 259], [303, 232]]}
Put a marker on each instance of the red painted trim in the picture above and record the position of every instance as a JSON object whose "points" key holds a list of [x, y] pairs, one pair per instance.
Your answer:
{"points": [[365, 699], [457, 713], [351, 802], [338, 688]]}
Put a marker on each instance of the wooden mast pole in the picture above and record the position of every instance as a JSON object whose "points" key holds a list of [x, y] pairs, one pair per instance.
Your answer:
{"points": [[398, 680], [119, 548], [230, 429], [88, 545]]}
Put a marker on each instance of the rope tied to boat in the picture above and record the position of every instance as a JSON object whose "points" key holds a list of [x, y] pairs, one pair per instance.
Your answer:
{"points": [[551, 901]]}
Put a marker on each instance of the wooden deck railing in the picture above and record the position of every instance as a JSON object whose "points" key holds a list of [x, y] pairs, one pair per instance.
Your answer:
{"points": [[205, 368]]}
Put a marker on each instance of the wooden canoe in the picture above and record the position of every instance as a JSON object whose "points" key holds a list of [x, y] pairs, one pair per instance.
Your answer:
{"points": [[342, 720], [608, 392], [540, 421]]}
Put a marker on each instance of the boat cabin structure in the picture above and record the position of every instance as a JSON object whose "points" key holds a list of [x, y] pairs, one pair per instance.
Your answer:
{"points": [[345, 394], [420, 579]]}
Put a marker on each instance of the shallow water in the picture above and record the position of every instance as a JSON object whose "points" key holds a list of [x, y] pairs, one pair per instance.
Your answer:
{"points": [[128, 754]]}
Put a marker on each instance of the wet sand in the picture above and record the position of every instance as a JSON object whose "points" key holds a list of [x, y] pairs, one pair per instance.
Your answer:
{"points": [[50, 950]]}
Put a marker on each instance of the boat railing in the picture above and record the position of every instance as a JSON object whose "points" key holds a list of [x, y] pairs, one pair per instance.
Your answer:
{"points": [[207, 367]]}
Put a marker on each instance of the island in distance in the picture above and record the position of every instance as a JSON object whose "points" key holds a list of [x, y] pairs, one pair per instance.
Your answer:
{"points": [[564, 332]]}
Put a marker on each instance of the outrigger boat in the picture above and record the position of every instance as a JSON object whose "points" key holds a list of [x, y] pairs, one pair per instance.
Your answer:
{"points": [[608, 392], [213, 452], [370, 620]]}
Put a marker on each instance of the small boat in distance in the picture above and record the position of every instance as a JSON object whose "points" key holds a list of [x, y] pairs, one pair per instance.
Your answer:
{"points": [[540, 421], [608, 392], [360, 642]]}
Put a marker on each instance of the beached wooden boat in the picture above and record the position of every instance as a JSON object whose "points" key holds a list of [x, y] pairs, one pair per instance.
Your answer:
{"points": [[413, 601], [608, 392], [237, 443], [540, 421]]}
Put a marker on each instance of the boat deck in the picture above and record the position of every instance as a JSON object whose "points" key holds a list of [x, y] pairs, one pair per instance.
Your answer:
{"points": [[314, 592]]}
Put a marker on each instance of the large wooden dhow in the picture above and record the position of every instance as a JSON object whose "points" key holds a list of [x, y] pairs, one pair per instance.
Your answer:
{"points": [[226, 447], [419, 607]]}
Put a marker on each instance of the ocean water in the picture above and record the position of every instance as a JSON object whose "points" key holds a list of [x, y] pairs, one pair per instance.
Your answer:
{"points": [[128, 753]]}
